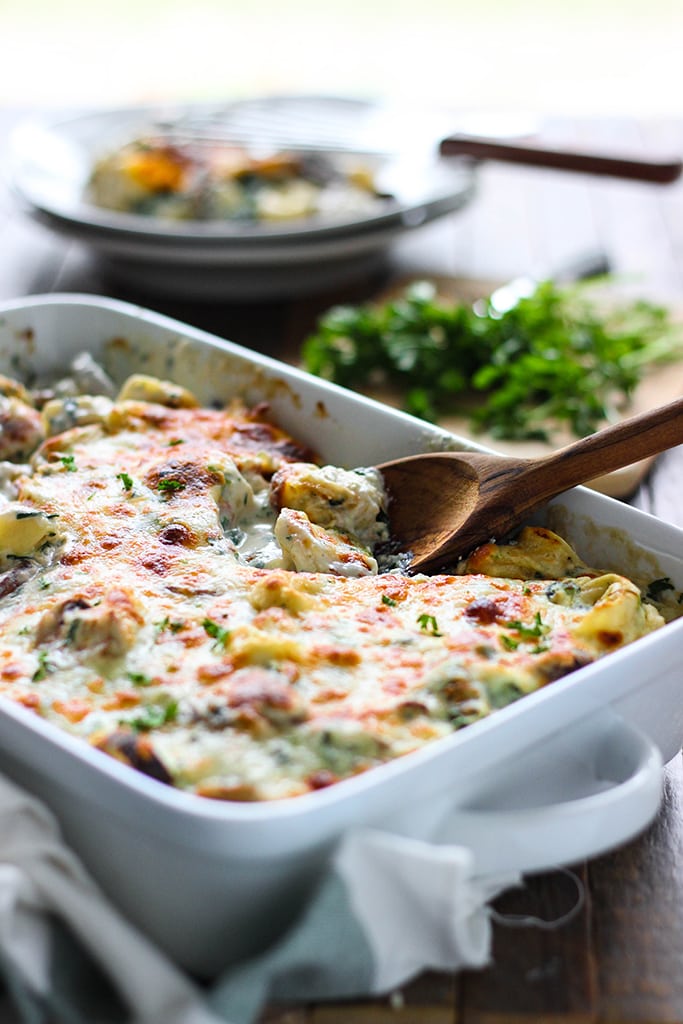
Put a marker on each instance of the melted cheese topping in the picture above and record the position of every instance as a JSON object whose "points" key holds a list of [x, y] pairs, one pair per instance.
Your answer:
{"points": [[188, 591]]}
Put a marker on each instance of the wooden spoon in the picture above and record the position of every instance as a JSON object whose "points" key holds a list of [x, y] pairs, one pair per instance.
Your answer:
{"points": [[444, 504]]}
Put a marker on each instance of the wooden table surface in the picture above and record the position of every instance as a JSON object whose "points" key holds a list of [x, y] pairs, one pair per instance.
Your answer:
{"points": [[621, 957]]}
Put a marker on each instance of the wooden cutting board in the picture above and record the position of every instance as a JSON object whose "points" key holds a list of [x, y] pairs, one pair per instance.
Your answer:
{"points": [[660, 386]]}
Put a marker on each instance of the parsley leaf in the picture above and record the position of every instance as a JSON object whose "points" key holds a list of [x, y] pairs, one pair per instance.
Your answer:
{"points": [[153, 716], [139, 679], [168, 486], [429, 624], [126, 480], [217, 632], [538, 629], [44, 667]]}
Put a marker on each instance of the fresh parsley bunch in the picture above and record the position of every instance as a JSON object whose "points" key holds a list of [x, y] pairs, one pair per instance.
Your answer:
{"points": [[558, 358]]}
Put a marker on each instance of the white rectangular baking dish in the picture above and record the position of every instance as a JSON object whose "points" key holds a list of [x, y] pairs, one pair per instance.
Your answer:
{"points": [[562, 774]]}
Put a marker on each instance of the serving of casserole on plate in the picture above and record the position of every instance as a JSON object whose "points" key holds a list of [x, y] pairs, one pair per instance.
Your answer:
{"points": [[221, 200], [200, 599]]}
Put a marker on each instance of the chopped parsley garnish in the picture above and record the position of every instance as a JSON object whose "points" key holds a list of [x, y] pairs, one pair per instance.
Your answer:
{"points": [[525, 632], [216, 632], [559, 357], [168, 486], [538, 629], [175, 441], [69, 462], [44, 667], [139, 679], [153, 716], [389, 601], [167, 623], [126, 480], [429, 624]]}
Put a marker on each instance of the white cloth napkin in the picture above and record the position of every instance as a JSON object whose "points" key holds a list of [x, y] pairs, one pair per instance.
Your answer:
{"points": [[389, 908]]}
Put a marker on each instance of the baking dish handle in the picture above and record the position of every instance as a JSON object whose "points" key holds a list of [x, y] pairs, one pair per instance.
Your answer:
{"points": [[601, 786]]}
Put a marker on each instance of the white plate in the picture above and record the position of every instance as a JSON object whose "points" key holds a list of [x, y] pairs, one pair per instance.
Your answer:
{"points": [[214, 272], [50, 163]]}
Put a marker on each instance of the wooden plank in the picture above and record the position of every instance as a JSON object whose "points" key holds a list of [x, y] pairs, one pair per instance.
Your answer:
{"points": [[537, 974], [664, 137], [630, 216], [497, 240], [561, 212], [661, 493], [638, 919], [285, 1015], [429, 999]]}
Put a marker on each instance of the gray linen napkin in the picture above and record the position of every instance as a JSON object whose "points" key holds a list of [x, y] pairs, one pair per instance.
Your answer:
{"points": [[388, 908]]}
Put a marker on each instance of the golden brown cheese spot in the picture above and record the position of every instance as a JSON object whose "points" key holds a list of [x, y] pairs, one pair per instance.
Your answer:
{"points": [[32, 701], [556, 665], [265, 692], [107, 625], [177, 533], [157, 562], [75, 710], [136, 751], [321, 779], [243, 792], [110, 541], [215, 671], [121, 699], [12, 670], [174, 477], [342, 656], [484, 611], [21, 428], [610, 638]]}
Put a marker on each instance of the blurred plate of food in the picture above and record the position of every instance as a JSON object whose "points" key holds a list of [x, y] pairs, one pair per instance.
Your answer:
{"points": [[252, 179], [522, 371]]}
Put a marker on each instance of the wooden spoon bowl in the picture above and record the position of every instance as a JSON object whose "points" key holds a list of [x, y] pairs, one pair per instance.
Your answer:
{"points": [[442, 505]]}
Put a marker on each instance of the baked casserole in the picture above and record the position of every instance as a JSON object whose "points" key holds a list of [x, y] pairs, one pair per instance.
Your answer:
{"points": [[189, 591]]}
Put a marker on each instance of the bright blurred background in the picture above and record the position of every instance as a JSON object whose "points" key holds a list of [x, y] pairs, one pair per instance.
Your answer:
{"points": [[558, 56]]}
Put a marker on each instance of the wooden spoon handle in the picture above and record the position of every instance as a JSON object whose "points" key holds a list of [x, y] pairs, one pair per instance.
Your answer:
{"points": [[661, 172], [613, 447]]}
